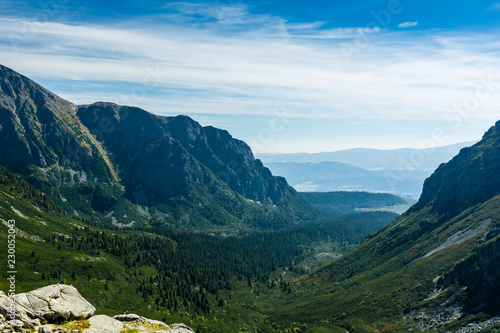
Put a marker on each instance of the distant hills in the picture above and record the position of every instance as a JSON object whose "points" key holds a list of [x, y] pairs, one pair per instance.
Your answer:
{"points": [[130, 167], [398, 171]]}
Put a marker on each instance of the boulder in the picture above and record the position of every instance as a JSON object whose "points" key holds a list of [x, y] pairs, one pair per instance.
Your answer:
{"points": [[128, 317], [55, 303], [104, 324], [180, 328], [16, 324], [155, 322], [52, 303], [5, 305], [44, 329]]}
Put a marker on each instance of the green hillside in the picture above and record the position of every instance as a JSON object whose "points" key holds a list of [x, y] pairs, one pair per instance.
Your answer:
{"points": [[219, 283], [434, 268]]}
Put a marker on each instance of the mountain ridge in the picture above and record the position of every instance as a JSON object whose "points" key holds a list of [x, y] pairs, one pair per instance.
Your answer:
{"points": [[129, 166]]}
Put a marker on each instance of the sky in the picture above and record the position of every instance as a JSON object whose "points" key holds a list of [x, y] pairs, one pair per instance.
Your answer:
{"points": [[284, 76]]}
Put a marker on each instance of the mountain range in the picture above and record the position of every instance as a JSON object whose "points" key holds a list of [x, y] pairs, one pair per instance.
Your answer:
{"points": [[398, 171], [95, 169], [132, 166]]}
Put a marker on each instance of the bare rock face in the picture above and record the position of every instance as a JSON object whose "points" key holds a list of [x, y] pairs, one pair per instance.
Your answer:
{"points": [[472, 177], [53, 303]]}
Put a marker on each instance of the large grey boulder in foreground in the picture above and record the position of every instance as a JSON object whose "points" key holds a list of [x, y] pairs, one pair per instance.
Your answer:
{"points": [[60, 302], [53, 303]]}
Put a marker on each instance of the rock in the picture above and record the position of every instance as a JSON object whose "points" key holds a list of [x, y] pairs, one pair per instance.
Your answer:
{"points": [[180, 328], [156, 322], [16, 324], [128, 317], [60, 330], [19, 312], [104, 324], [55, 303], [44, 329]]}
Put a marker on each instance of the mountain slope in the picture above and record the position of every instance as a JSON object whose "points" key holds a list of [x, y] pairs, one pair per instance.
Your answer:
{"points": [[468, 179], [46, 140], [418, 265], [130, 167], [168, 154], [170, 275]]}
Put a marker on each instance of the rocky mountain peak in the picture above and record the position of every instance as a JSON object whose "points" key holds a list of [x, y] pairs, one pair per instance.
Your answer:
{"points": [[470, 178], [92, 157]]}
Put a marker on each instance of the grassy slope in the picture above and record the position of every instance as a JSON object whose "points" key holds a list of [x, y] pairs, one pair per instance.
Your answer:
{"points": [[374, 285], [112, 287]]}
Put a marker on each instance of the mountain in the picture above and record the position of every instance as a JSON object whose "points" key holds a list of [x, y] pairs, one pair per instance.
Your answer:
{"points": [[130, 167], [46, 141], [426, 159], [397, 171], [336, 176], [435, 267], [171, 275]]}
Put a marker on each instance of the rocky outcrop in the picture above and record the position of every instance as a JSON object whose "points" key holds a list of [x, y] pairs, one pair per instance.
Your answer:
{"points": [[470, 178], [136, 322], [55, 303], [59, 303], [104, 324]]}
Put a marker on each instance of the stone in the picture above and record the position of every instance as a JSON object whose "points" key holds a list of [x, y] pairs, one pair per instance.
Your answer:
{"points": [[104, 324], [180, 328], [16, 324], [156, 322], [128, 317], [44, 329], [55, 303], [52, 303], [19, 312]]}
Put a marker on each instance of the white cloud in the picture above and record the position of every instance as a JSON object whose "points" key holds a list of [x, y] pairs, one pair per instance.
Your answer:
{"points": [[408, 24], [216, 69]]}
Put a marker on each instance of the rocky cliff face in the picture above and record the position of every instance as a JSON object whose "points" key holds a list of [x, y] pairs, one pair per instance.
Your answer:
{"points": [[101, 158], [171, 156], [44, 139], [470, 178], [480, 273]]}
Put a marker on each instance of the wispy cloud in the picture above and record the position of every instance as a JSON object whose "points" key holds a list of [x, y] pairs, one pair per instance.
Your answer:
{"points": [[215, 67], [407, 24]]}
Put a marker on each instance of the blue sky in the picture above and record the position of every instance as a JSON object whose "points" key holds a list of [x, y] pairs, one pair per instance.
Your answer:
{"points": [[285, 76]]}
